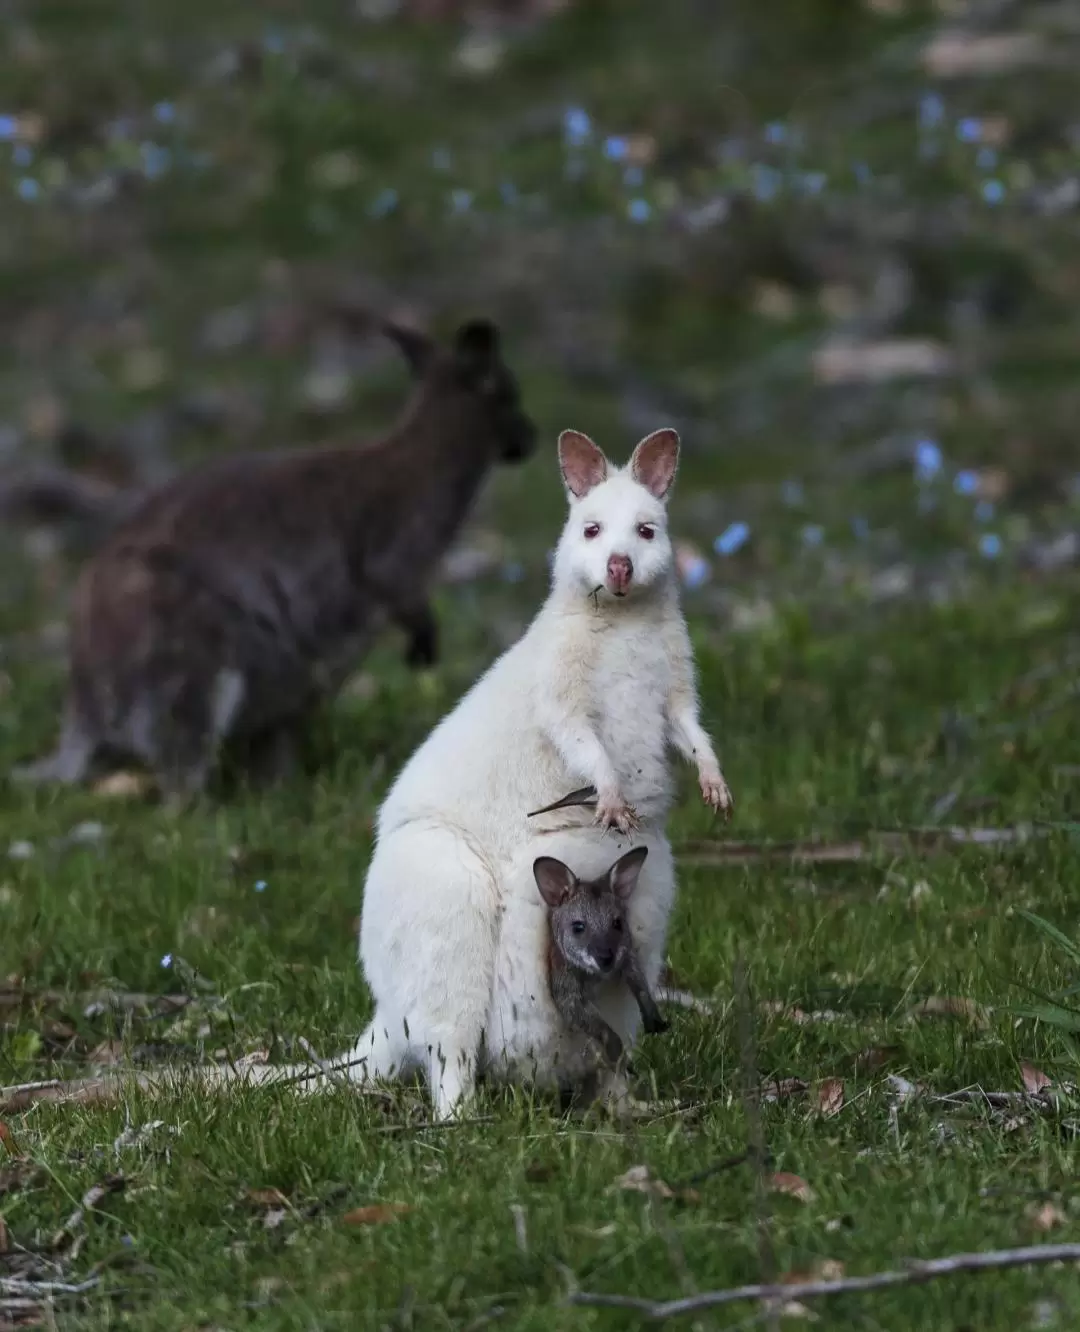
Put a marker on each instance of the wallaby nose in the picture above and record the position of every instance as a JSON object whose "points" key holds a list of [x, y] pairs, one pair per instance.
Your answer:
{"points": [[604, 957], [619, 571]]}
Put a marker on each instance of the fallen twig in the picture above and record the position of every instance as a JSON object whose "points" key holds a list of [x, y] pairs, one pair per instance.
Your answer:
{"points": [[38, 1289], [890, 842], [659, 1311], [684, 999]]}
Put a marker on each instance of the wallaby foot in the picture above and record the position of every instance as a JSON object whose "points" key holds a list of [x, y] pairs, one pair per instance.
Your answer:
{"points": [[451, 1080], [68, 764]]}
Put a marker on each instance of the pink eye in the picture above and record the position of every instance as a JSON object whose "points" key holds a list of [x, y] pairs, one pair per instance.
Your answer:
{"points": [[591, 530], [646, 531]]}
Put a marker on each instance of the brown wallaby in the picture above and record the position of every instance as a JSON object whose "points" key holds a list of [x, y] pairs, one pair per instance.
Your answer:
{"points": [[590, 943], [239, 594]]}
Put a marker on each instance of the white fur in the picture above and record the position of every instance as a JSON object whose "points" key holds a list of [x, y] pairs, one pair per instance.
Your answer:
{"points": [[453, 932]]}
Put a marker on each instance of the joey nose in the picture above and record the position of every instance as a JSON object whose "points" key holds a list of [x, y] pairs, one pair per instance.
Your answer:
{"points": [[604, 957], [619, 571]]}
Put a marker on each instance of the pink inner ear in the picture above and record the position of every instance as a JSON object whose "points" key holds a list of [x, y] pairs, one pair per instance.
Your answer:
{"points": [[655, 460], [582, 464]]}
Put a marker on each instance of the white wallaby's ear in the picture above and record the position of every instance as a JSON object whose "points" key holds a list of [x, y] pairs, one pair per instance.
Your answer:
{"points": [[555, 880], [654, 462], [623, 875], [582, 464]]}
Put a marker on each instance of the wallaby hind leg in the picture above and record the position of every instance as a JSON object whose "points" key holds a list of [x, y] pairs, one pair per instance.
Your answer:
{"points": [[652, 1019], [451, 1079], [69, 762], [184, 737]]}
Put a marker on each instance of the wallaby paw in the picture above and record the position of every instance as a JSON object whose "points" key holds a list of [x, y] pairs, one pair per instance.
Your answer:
{"points": [[612, 811], [715, 793]]}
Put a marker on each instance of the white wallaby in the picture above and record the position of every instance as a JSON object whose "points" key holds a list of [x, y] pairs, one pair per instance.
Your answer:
{"points": [[453, 934]]}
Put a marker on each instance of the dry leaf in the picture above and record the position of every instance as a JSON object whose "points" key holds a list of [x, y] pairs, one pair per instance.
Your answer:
{"points": [[267, 1198], [639, 1179], [796, 1309], [7, 1139], [4, 1244], [123, 785], [959, 54], [950, 1006], [830, 1097], [1035, 1080], [875, 1057], [780, 1089], [794, 1185], [375, 1214], [1047, 1216]]}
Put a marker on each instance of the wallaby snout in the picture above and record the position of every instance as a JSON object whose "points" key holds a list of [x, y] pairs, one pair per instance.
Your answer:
{"points": [[620, 570]]}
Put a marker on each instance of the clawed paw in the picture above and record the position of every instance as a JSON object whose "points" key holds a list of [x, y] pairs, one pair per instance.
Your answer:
{"points": [[715, 793], [612, 811]]}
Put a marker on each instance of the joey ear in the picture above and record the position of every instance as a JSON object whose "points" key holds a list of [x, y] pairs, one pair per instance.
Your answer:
{"points": [[555, 880], [654, 462], [623, 875], [476, 346], [417, 348], [581, 462]]}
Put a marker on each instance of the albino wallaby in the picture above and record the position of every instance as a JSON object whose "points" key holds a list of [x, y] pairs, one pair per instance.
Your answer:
{"points": [[590, 942], [239, 594], [453, 936]]}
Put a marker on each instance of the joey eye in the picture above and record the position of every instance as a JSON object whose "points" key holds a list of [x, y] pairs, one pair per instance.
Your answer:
{"points": [[591, 530], [646, 531], [578, 927]]}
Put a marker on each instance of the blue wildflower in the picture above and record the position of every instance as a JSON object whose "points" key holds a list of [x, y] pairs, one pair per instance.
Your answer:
{"points": [[21, 155], [969, 129], [766, 181], [813, 534], [28, 189], [931, 110], [576, 126], [791, 492], [990, 545], [776, 132], [696, 571], [813, 182], [732, 538], [508, 192], [164, 113], [984, 511], [166, 961], [639, 210], [993, 191], [862, 173], [155, 160], [633, 177], [927, 460], [461, 200], [616, 148], [260, 885], [966, 483], [860, 528], [9, 128], [986, 159], [384, 203]]}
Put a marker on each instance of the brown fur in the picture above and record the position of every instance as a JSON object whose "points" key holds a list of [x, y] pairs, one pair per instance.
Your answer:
{"points": [[238, 595]]}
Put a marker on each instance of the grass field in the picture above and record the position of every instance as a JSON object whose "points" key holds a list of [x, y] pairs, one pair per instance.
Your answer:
{"points": [[880, 662]]}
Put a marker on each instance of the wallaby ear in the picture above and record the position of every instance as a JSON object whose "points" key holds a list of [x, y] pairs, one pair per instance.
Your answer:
{"points": [[654, 462], [555, 880], [581, 462], [417, 348], [623, 875], [476, 345]]}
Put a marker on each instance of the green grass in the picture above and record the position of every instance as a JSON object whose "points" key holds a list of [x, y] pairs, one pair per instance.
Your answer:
{"points": [[835, 707], [806, 726]]}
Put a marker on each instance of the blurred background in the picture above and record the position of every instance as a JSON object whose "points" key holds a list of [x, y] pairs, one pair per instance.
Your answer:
{"points": [[833, 241]]}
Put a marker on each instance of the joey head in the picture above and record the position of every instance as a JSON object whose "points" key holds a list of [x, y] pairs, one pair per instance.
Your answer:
{"points": [[236, 596], [591, 943]]}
